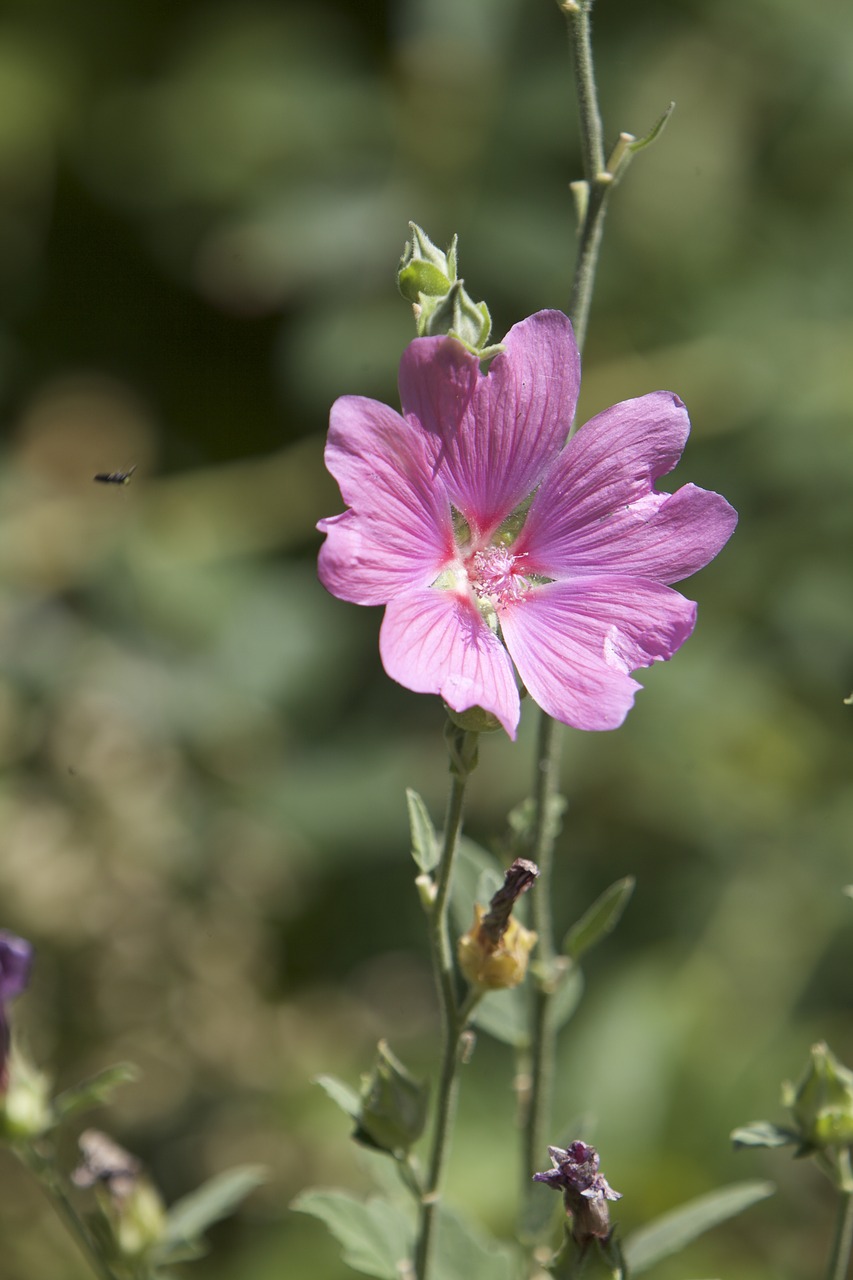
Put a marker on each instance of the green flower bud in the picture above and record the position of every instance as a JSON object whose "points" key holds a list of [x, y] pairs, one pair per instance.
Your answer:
{"points": [[421, 278], [822, 1103], [428, 278], [457, 314], [424, 268], [25, 1110], [132, 1216], [140, 1222], [393, 1105]]}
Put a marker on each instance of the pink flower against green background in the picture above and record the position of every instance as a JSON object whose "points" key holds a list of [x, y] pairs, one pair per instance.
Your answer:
{"points": [[497, 548]]}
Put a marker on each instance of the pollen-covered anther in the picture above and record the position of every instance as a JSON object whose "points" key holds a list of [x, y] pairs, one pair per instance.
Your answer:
{"points": [[494, 576]]}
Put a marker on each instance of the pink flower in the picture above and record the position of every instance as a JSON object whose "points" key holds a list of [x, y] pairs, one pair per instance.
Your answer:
{"points": [[496, 547]]}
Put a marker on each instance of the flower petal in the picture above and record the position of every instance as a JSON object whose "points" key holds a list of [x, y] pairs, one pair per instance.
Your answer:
{"points": [[398, 532], [496, 433], [574, 643], [611, 463], [663, 536], [437, 642]]}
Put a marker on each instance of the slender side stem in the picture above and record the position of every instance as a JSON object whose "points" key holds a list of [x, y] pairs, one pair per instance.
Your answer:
{"points": [[537, 1117], [842, 1245], [454, 1018], [598, 180], [51, 1183]]}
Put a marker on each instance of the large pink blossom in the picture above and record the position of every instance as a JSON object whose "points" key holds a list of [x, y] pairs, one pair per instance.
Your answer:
{"points": [[497, 548]]}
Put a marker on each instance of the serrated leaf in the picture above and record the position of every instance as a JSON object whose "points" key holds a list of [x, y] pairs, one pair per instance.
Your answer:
{"points": [[505, 1015], [93, 1092], [465, 1252], [761, 1133], [189, 1217], [425, 849], [375, 1235], [341, 1094], [673, 1231], [601, 918]]}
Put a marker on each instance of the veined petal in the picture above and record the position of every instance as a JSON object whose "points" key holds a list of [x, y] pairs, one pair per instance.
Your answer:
{"points": [[437, 642], [355, 563], [497, 433], [574, 643], [611, 462], [663, 536], [399, 529]]}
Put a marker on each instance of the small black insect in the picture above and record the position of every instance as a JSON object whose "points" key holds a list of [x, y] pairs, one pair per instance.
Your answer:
{"points": [[115, 477]]}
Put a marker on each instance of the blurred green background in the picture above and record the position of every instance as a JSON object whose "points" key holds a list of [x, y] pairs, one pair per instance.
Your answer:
{"points": [[203, 827]]}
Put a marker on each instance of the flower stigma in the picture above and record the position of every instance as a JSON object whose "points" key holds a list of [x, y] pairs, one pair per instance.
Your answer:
{"points": [[494, 577]]}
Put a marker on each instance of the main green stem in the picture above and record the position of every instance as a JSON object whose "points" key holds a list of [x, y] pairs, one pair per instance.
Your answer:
{"points": [[454, 1019], [842, 1245], [537, 1116], [45, 1173]]}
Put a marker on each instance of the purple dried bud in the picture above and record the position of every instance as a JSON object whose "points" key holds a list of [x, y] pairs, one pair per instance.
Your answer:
{"points": [[16, 958], [585, 1190], [519, 877]]}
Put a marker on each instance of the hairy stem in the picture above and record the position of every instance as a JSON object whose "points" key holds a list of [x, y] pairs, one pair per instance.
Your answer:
{"points": [[842, 1244], [537, 1117], [454, 1015]]}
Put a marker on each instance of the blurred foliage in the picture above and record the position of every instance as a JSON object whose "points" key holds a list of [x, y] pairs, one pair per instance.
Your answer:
{"points": [[202, 806]]}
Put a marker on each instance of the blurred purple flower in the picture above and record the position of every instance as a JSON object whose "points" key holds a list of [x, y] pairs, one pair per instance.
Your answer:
{"points": [[495, 546], [16, 957], [585, 1190]]}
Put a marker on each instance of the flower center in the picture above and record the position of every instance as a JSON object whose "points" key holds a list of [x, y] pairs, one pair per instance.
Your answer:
{"points": [[495, 577]]}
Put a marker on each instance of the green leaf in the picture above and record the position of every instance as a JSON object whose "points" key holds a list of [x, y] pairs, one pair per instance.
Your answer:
{"points": [[375, 1235], [567, 996], [671, 1232], [601, 918], [761, 1133], [475, 870], [424, 840], [464, 1252], [93, 1092], [189, 1217], [505, 1015], [345, 1097]]}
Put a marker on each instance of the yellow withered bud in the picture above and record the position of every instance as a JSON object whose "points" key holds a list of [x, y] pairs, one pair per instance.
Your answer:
{"points": [[494, 953]]}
